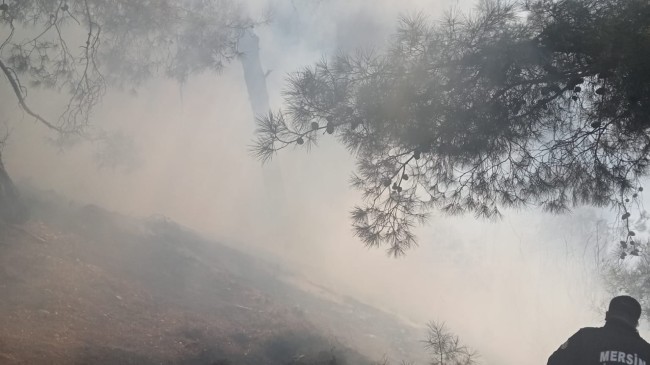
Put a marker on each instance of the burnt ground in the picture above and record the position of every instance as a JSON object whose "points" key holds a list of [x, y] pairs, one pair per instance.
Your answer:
{"points": [[81, 285]]}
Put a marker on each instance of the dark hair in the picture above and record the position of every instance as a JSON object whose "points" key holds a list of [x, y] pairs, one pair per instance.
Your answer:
{"points": [[624, 306]]}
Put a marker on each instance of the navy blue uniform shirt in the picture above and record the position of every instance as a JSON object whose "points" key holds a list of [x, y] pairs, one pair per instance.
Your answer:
{"points": [[616, 343]]}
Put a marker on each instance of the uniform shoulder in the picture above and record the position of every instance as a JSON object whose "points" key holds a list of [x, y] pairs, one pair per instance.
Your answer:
{"points": [[645, 343], [644, 346], [588, 331]]}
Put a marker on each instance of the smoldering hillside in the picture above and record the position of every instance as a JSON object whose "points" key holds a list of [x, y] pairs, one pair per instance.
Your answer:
{"points": [[82, 285]]}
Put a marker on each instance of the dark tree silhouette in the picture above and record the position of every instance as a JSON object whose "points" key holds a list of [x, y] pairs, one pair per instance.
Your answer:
{"points": [[524, 103]]}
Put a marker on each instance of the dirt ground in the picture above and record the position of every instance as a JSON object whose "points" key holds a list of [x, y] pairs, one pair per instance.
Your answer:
{"points": [[81, 285], [107, 293]]}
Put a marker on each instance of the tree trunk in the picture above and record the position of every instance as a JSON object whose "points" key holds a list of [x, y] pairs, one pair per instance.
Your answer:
{"points": [[254, 75], [12, 208], [258, 95]]}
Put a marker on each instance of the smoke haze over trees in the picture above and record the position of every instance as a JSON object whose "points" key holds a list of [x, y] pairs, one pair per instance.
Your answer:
{"points": [[79, 48], [173, 124]]}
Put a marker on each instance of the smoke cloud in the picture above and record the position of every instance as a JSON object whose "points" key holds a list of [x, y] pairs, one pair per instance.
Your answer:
{"points": [[514, 289]]}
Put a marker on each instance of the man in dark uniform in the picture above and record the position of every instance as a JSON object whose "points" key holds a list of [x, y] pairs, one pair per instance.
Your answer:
{"points": [[617, 342]]}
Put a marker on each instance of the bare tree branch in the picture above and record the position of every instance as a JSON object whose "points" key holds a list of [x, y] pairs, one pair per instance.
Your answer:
{"points": [[21, 100]]}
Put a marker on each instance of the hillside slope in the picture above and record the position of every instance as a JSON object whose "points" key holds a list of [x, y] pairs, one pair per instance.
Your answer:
{"points": [[81, 285]]}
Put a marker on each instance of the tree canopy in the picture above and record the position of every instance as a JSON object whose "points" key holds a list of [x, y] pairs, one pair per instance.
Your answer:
{"points": [[520, 103], [78, 47]]}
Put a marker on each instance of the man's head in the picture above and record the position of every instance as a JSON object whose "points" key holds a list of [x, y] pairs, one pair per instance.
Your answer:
{"points": [[624, 308]]}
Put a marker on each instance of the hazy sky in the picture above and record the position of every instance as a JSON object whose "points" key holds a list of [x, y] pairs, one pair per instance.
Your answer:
{"points": [[513, 289]]}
